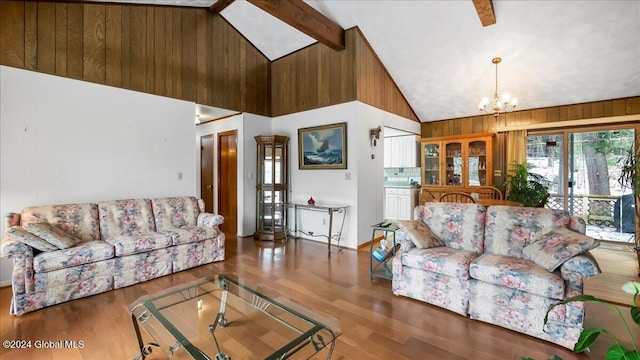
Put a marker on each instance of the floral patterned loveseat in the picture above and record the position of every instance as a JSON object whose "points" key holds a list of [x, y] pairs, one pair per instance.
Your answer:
{"points": [[503, 265], [70, 251]]}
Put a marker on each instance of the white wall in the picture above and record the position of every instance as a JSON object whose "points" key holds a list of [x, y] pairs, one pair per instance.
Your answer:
{"points": [[364, 192], [67, 141], [371, 171]]}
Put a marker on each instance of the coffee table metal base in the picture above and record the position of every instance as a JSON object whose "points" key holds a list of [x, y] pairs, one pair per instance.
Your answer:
{"points": [[162, 315]]}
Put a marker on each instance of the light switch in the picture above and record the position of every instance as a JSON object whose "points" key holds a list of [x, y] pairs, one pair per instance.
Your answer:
{"points": [[347, 176]]}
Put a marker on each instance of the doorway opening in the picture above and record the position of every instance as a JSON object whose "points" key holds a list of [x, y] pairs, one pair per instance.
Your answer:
{"points": [[582, 170]]}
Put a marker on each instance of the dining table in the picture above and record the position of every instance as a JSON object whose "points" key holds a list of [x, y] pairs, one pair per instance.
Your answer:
{"points": [[493, 202]]}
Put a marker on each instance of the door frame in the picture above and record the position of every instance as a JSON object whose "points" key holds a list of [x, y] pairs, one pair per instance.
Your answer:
{"points": [[213, 170], [219, 173]]}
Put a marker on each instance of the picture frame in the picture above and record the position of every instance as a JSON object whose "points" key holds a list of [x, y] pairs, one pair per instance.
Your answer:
{"points": [[323, 147]]}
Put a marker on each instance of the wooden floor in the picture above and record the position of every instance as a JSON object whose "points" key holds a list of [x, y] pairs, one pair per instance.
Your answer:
{"points": [[375, 323]]}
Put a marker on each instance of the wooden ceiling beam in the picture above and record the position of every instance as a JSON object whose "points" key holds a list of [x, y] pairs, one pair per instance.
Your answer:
{"points": [[306, 19], [220, 5], [484, 8]]}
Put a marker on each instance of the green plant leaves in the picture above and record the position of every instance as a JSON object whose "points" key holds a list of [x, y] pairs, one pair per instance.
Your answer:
{"points": [[587, 338], [635, 315], [619, 352], [525, 187]]}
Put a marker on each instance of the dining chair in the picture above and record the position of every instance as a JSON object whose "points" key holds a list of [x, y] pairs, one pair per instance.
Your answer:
{"points": [[425, 195], [460, 197], [488, 192]]}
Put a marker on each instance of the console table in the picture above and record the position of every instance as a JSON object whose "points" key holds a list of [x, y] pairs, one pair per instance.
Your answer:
{"points": [[329, 209]]}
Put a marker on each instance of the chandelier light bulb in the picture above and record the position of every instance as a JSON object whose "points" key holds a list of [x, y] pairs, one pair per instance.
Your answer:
{"points": [[500, 103], [483, 103]]}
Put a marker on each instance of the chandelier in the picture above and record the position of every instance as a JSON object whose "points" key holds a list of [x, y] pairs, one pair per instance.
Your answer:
{"points": [[500, 103]]}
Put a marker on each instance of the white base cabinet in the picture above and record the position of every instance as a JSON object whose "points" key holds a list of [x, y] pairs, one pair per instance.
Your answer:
{"points": [[399, 203]]}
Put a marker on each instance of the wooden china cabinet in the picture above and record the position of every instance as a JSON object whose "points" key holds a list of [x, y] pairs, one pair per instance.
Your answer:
{"points": [[457, 163], [271, 187]]}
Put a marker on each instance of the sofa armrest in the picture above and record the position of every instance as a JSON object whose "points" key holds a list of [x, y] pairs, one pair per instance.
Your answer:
{"points": [[577, 268], [405, 243], [22, 256], [10, 247], [12, 219], [210, 220], [582, 266]]}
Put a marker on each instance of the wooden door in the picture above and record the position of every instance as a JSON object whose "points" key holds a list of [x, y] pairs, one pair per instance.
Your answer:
{"points": [[228, 180], [206, 172]]}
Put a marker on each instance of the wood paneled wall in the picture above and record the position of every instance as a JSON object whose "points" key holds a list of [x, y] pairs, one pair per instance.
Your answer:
{"points": [[182, 53], [318, 76], [488, 123], [374, 84], [313, 77]]}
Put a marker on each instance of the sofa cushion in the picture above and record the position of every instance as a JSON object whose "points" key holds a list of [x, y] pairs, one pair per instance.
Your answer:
{"points": [[459, 226], [53, 235], [17, 233], [125, 217], [135, 244], [85, 253], [517, 273], [175, 212], [558, 246], [441, 260], [187, 235], [208, 219], [510, 228], [79, 220], [420, 234]]}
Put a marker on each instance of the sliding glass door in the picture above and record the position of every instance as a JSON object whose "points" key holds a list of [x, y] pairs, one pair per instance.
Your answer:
{"points": [[582, 169]]}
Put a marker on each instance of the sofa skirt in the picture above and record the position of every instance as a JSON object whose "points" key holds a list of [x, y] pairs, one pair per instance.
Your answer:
{"points": [[524, 312], [190, 255], [141, 267], [433, 288], [24, 303]]}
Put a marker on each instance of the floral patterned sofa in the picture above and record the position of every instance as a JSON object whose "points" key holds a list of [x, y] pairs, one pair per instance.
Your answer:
{"points": [[503, 265], [87, 248]]}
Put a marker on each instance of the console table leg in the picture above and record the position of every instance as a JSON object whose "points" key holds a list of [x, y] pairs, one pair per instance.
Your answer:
{"points": [[329, 233]]}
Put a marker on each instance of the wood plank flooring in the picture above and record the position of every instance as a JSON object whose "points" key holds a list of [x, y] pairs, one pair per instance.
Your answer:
{"points": [[375, 323]]}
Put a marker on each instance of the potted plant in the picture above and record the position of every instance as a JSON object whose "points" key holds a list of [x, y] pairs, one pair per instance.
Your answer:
{"points": [[525, 187], [589, 336], [630, 179]]}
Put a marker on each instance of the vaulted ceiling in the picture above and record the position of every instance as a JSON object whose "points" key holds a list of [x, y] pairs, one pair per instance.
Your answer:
{"points": [[439, 53]]}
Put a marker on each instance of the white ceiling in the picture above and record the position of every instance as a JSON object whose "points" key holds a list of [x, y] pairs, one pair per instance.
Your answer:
{"points": [[553, 52]]}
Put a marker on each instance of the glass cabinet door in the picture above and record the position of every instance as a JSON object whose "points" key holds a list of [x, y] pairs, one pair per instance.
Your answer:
{"points": [[271, 187], [453, 164], [477, 163], [271, 208], [431, 163]]}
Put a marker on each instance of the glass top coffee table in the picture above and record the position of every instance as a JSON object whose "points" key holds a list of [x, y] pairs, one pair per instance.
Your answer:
{"points": [[223, 317]]}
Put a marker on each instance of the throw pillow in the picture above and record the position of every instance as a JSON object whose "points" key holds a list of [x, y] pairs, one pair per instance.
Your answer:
{"points": [[53, 235], [420, 234], [558, 246], [17, 233]]}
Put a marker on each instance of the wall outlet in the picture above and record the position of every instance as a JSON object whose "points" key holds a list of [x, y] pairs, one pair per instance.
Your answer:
{"points": [[179, 176]]}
